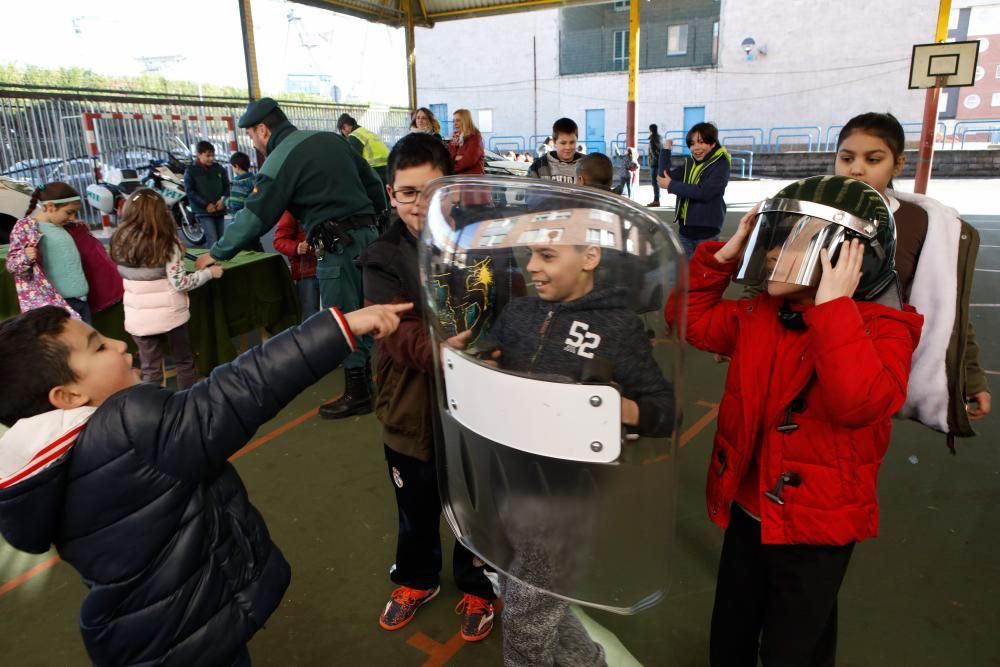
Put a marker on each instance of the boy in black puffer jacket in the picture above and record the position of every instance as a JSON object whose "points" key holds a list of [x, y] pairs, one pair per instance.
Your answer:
{"points": [[131, 482], [571, 330]]}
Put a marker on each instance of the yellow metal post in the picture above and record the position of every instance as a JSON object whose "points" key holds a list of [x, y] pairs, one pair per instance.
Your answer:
{"points": [[249, 50], [633, 73], [411, 58], [926, 158]]}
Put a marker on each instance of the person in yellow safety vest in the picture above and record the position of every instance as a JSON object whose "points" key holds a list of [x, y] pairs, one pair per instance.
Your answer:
{"points": [[366, 143]]}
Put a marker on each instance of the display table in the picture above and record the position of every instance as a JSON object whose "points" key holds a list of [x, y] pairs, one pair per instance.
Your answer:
{"points": [[255, 293]]}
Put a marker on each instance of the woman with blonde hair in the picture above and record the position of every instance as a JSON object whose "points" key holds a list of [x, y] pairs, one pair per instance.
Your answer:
{"points": [[466, 145], [424, 121]]}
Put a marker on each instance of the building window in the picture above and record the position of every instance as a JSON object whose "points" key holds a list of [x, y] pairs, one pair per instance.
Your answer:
{"points": [[715, 42], [619, 60], [540, 235], [995, 101], [484, 120], [621, 5], [677, 40], [998, 72], [943, 101], [971, 101], [492, 240]]}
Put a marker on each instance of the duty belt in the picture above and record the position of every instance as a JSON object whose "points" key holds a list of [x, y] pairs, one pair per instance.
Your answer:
{"points": [[332, 236]]}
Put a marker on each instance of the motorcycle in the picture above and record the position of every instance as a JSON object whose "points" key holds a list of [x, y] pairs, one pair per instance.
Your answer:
{"points": [[165, 178]]}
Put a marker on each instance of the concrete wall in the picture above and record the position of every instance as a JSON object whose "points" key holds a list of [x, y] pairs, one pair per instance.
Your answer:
{"points": [[947, 164], [824, 63]]}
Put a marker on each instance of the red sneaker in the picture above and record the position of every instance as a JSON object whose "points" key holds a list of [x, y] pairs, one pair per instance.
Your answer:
{"points": [[403, 604], [477, 617]]}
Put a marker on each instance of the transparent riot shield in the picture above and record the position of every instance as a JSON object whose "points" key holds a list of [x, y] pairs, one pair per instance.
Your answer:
{"points": [[558, 386]]}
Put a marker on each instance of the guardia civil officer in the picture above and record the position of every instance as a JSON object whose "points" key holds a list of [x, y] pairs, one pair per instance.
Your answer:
{"points": [[333, 192]]}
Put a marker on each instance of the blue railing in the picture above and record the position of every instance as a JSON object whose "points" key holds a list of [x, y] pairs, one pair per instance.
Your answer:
{"points": [[594, 145], [507, 142], [833, 133], [975, 127], [775, 134], [746, 163], [754, 134]]}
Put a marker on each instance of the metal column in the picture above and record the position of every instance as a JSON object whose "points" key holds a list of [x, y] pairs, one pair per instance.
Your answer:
{"points": [[631, 138], [926, 158], [249, 50], [411, 58]]}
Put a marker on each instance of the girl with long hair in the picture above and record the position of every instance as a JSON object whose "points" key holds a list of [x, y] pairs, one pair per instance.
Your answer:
{"points": [[150, 260]]}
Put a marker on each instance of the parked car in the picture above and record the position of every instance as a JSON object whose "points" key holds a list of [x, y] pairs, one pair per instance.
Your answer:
{"points": [[15, 196], [496, 165], [77, 172], [37, 171]]}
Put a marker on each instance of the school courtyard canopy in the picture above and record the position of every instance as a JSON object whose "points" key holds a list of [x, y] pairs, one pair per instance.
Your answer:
{"points": [[425, 13]]}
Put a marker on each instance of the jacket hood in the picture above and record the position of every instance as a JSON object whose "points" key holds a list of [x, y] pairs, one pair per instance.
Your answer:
{"points": [[32, 476]]}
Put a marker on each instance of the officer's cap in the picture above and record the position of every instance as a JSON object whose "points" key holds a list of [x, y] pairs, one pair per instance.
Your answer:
{"points": [[257, 111]]}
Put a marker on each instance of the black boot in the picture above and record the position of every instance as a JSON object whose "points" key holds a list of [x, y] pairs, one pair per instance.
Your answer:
{"points": [[357, 398]]}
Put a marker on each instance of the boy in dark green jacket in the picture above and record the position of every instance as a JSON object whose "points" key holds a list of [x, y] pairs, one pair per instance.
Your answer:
{"points": [[206, 184]]}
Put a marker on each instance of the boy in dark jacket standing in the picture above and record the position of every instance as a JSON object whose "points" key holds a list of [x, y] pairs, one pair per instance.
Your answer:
{"points": [[131, 482], [700, 184], [206, 185], [560, 332], [405, 404]]}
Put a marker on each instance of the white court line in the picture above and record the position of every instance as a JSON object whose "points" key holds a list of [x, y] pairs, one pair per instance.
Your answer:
{"points": [[989, 246], [984, 305], [989, 270], [992, 372]]}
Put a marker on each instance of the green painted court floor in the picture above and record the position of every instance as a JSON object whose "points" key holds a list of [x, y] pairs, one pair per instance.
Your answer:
{"points": [[926, 592]]}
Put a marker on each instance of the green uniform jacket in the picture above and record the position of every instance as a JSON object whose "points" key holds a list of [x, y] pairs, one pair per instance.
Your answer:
{"points": [[965, 376], [315, 176]]}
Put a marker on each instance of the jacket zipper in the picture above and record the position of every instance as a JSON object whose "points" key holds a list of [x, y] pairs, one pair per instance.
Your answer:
{"points": [[542, 333]]}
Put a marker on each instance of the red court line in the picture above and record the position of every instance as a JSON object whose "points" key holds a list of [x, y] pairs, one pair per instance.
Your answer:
{"points": [[692, 430], [438, 653], [267, 437], [284, 428], [28, 575]]}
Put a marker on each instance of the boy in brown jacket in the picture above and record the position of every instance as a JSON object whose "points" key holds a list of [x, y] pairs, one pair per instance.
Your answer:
{"points": [[405, 404]]}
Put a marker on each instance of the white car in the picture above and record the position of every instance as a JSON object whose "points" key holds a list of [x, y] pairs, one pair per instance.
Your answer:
{"points": [[496, 165], [15, 196]]}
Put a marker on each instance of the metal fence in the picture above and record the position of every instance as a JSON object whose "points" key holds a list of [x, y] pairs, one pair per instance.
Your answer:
{"points": [[43, 133]]}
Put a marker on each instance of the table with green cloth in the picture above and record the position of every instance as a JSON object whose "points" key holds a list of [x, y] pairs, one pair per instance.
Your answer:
{"points": [[255, 292]]}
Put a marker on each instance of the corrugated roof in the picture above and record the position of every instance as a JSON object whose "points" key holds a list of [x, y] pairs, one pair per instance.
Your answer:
{"points": [[428, 12]]}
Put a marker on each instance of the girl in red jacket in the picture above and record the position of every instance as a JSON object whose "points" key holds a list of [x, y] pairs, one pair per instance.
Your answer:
{"points": [[804, 422], [290, 241]]}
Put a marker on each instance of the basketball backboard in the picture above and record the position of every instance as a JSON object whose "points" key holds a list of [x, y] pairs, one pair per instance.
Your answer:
{"points": [[950, 64]]}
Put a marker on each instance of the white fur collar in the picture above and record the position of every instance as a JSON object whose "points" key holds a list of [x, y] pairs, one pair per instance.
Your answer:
{"points": [[934, 294]]}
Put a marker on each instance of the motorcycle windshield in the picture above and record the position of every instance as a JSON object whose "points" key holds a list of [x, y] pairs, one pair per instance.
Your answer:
{"points": [[556, 383]]}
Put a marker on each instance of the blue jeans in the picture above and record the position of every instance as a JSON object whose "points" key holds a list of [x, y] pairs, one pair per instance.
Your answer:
{"points": [[82, 309], [656, 186], [308, 290], [690, 244], [214, 226]]}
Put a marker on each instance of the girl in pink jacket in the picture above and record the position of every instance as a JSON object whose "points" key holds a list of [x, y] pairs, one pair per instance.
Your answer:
{"points": [[43, 257], [150, 260]]}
